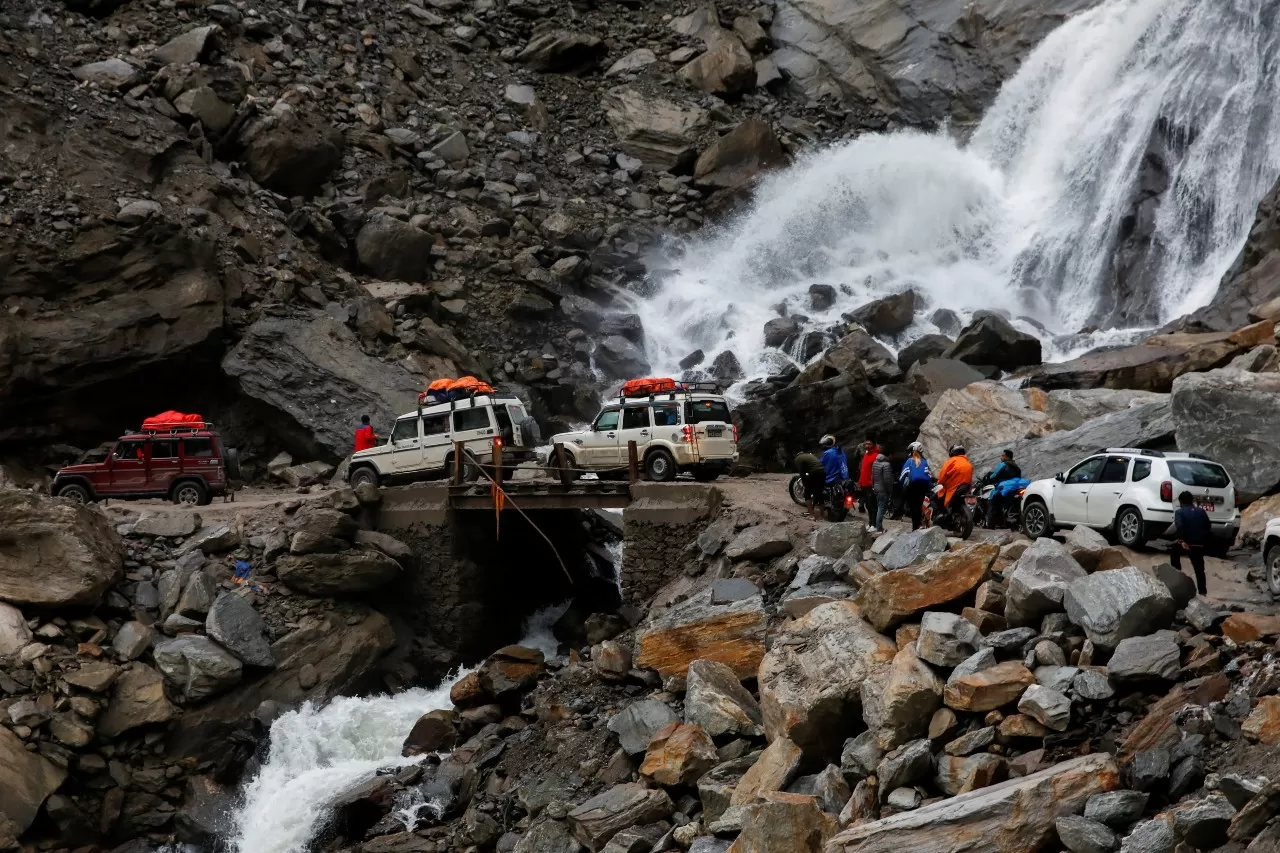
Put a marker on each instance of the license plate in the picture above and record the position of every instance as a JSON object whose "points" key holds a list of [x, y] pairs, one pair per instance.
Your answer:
{"points": [[1207, 507], [971, 501], [715, 431]]}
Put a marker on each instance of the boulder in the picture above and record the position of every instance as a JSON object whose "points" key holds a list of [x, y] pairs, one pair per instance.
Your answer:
{"points": [[659, 133], [197, 596], [785, 823], [926, 348], [980, 415], [137, 699], [435, 731], [197, 667], [810, 681], [563, 51], [55, 553], [1154, 657], [725, 68], [947, 639], [1037, 586], [888, 315], [716, 787], [1015, 815], [857, 354], [1114, 605], [636, 724], [619, 358], [678, 755], [1081, 835], [234, 624], [212, 540], [347, 572], [732, 634], [1203, 824], [312, 377], [759, 543], [605, 815], [509, 671], [992, 341], [636, 60], [772, 771], [988, 689], [112, 73], [956, 775], [1263, 723], [26, 780], [935, 376], [1250, 627], [716, 700], [14, 633], [1151, 836], [1046, 706], [191, 46], [291, 152], [1116, 809], [548, 836], [132, 640], [202, 104], [909, 763], [916, 546], [1070, 408], [1250, 450], [890, 597], [391, 249], [96, 677], [740, 157], [899, 702], [169, 524]]}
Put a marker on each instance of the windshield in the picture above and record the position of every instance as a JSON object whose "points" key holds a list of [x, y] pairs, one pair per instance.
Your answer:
{"points": [[1204, 474], [702, 411]]}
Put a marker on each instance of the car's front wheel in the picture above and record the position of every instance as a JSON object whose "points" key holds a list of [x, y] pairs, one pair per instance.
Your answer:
{"points": [[75, 492], [1130, 528], [1035, 519], [363, 476], [1272, 562]]}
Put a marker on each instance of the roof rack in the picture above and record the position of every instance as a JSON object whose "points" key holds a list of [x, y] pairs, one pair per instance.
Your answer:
{"points": [[1156, 454], [175, 428], [683, 389], [469, 400]]}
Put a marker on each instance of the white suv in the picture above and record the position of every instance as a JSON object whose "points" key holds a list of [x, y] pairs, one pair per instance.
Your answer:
{"points": [[1132, 494], [421, 444], [683, 430], [1271, 554]]}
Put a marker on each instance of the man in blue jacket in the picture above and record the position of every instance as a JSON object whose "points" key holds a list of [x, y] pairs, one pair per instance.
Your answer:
{"points": [[1193, 530], [834, 462]]}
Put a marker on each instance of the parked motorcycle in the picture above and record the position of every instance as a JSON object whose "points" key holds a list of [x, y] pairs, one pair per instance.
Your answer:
{"points": [[959, 522], [1012, 491], [837, 498], [796, 489]]}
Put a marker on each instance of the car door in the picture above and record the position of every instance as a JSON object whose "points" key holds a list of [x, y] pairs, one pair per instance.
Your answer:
{"points": [[164, 465], [1071, 497], [406, 447], [637, 426], [1104, 497], [599, 448], [201, 458], [473, 427], [436, 441], [128, 467]]}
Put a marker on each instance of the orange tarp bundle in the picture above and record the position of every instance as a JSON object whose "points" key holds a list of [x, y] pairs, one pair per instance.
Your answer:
{"points": [[172, 419], [648, 385]]}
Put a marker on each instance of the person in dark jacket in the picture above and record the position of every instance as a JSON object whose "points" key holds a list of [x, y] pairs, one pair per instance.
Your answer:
{"points": [[814, 476], [882, 481], [1194, 530], [1006, 469]]}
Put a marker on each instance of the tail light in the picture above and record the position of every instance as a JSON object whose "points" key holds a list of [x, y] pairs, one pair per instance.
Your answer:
{"points": [[735, 433], [1166, 492], [688, 434], [848, 501], [1021, 492], [497, 443]]}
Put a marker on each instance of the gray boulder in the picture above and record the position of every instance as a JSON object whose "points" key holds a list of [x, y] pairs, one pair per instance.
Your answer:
{"points": [[1116, 809], [889, 315], [947, 639], [346, 572], [814, 569], [391, 249], [619, 358], [189, 47], [1081, 835], [984, 658], [197, 667], [992, 341], [761, 542], [636, 724], [1146, 658], [111, 73], [915, 546], [1047, 707], [1114, 605], [717, 701], [1150, 836], [1250, 449], [1091, 685], [169, 524], [1038, 583], [234, 623], [922, 349], [1204, 824], [834, 540], [904, 766]]}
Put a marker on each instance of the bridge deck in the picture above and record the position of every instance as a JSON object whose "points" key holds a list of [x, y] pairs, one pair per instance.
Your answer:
{"points": [[544, 494]]}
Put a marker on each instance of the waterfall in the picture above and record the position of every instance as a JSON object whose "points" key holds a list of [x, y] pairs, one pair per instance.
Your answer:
{"points": [[1151, 116]]}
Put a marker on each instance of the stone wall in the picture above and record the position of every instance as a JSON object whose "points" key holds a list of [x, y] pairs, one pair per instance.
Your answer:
{"points": [[660, 527]]}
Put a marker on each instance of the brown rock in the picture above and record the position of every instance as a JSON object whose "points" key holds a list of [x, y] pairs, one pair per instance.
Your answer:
{"points": [[137, 700], [811, 679], [726, 68], [900, 701], [467, 691], [679, 755], [1020, 725], [716, 700], [785, 823], [960, 775], [906, 635], [1248, 627], [990, 597], [434, 732], [773, 770], [26, 779], [510, 670], [1012, 817], [739, 157], [889, 598], [1255, 814], [985, 622], [989, 689], [54, 552], [732, 634], [1157, 729], [1263, 723], [942, 725]]}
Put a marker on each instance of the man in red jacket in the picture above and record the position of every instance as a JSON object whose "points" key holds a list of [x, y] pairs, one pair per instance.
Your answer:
{"points": [[865, 478], [365, 437]]}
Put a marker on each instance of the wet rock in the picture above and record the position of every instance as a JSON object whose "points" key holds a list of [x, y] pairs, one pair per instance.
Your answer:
{"points": [[1046, 706], [234, 624], [1081, 835], [678, 755], [810, 680], [989, 689], [1038, 583], [955, 775], [992, 340], [887, 316], [563, 51], [716, 700], [56, 553], [892, 596], [26, 779], [1145, 658], [603, 816], [137, 699], [947, 639], [932, 378], [619, 358], [913, 547], [732, 634], [657, 132], [900, 701], [636, 724], [434, 732], [392, 249], [740, 157], [924, 349], [772, 771], [348, 572], [1204, 824], [197, 667], [1116, 809], [1115, 605]]}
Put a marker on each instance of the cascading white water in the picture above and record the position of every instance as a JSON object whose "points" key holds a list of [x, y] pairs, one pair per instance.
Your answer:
{"points": [[1025, 217]]}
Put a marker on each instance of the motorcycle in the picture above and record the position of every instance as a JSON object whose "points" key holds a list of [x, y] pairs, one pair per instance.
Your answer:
{"points": [[837, 498], [796, 489], [1012, 492], [959, 523]]}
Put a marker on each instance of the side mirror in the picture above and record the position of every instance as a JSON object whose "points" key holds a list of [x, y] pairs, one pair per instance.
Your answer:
{"points": [[1060, 477]]}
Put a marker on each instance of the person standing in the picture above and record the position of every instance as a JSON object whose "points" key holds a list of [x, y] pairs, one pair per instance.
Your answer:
{"points": [[882, 486], [1194, 529], [365, 437], [870, 453], [834, 462], [812, 475], [916, 480]]}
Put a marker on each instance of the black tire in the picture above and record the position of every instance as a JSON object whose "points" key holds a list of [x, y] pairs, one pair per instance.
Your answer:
{"points": [[1035, 519], [1130, 529], [362, 475], [965, 524], [231, 462], [190, 493], [76, 492], [705, 475], [470, 471], [660, 467], [796, 489], [837, 513], [1271, 561]]}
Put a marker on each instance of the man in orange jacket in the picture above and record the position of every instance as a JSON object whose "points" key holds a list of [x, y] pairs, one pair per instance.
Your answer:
{"points": [[956, 472]]}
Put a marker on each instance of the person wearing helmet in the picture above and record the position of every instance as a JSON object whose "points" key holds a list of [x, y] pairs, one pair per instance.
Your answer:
{"points": [[834, 462], [916, 480], [956, 476]]}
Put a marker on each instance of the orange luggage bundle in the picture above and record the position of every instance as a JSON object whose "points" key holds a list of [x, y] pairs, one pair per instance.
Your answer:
{"points": [[171, 420], [648, 385], [444, 390]]}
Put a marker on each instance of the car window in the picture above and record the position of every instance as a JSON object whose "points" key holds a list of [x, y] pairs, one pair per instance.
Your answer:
{"points": [[607, 420], [701, 411], [504, 419], [130, 450], [468, 419], [193, 448], [435, 424], [1141, 470], [164, 449], [1087, 471], [1115, 470], [1192, 472], [635, 417], [666, 414], [405, 430]]}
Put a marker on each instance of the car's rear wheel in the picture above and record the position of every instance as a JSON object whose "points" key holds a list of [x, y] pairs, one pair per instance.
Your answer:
{"points": [[1035, 519], [1130, 528], [363, 476], [190, 493], [75, 492], [1272, 562], [660, 467]]}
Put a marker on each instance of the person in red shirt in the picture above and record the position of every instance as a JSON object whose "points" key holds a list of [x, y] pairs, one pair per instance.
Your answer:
{"points": [[865, 478], [365, 437]]}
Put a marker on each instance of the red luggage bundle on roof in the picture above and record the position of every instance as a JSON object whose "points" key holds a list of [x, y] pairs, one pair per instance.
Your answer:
{"points": [[648, 385], [443, 390], [173, 420]]}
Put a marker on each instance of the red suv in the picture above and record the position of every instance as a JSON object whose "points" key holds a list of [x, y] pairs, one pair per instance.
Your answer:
{"points": [[186, 463]]}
